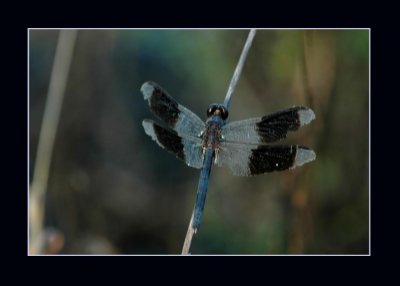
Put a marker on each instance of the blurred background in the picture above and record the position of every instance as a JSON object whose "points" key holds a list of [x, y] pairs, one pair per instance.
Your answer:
{"points": [[112, 190]]}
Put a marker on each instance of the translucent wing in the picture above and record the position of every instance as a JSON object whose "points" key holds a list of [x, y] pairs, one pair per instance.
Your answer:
{"points": [[249, 160], [269, 128], [175, 116], [188, 148]]}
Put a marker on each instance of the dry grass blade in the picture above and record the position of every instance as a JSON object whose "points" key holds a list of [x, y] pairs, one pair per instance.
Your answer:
{"points": [[48, 131]]}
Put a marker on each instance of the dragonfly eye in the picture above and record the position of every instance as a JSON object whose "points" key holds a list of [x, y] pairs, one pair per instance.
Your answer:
{"points": [[224, 112], [211, 110]]}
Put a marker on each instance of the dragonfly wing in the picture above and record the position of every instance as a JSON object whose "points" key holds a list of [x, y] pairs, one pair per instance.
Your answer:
{"points": [[249, 160], [269, 128], [174, 115], [187, 148]]}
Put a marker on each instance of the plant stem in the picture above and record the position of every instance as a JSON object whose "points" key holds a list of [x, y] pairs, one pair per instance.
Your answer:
{"points": [[239, 67], [191, 231], [189, 235]]}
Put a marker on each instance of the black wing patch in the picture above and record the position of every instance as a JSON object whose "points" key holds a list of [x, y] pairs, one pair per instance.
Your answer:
{"points": [[271, 158], [170, 140], [161, 104], [275, 126]]}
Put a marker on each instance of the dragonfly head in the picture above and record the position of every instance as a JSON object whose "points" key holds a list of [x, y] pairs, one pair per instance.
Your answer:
{"points": [[217, 109]]}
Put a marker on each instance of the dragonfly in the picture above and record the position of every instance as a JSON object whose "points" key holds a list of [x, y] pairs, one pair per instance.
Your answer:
{"points": [[243, 146]]}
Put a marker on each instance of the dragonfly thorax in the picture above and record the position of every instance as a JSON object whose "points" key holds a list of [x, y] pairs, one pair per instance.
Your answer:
{"points": [[212, 133]]}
